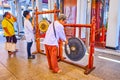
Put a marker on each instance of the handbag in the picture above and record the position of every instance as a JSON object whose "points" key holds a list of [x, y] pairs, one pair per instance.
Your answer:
{"points": [[10, 46]]}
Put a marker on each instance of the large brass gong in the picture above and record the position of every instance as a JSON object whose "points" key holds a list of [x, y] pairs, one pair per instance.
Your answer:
{"points": [[43, 25]]}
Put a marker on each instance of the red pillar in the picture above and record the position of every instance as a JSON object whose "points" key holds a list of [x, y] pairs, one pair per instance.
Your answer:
{"points": [[92, 43]]}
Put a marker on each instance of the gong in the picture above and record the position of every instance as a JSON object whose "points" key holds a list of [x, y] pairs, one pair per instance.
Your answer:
{"points": [[43, 25], [75, 50]]}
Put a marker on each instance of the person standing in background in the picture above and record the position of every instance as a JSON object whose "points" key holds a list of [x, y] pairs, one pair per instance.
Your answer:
{"points": [[8, 28], [29, 35]]}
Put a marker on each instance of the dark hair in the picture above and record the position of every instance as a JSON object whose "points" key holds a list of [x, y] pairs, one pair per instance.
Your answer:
{"points": [[4, 15], [25, 13]]}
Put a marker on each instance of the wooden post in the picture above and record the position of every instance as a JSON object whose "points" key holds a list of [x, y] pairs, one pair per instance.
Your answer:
{"points": [[37, 33], [55, 12], [92, 43]]}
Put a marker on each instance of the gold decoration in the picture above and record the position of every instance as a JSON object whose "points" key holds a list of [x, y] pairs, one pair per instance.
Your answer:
{"points": [[43, 25]]}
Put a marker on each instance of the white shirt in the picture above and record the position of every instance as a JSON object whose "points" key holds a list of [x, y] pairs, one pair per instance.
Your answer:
{"points": [[28, 29], [50, 38]]}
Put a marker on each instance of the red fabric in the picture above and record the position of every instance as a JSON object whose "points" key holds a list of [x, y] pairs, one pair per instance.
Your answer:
{"points": [[51, 53], [60, 53]]}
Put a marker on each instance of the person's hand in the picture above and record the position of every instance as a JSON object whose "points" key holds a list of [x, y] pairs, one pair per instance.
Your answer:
{"points": [[66, 42], [11, 14], [15, 19], [33, 22]]}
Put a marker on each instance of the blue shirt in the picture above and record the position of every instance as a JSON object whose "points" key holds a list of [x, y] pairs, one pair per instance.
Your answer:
{"points": [[50, 38]]}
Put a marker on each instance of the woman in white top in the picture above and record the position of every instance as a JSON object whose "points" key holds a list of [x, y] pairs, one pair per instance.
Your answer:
{"points": [[28, 29]]}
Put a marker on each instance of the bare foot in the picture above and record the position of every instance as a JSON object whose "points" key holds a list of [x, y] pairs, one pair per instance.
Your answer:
{"points": [[59, 71]]}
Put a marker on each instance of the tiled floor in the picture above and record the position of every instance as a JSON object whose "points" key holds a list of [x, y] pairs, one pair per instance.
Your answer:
{"points": [[20, 68]]}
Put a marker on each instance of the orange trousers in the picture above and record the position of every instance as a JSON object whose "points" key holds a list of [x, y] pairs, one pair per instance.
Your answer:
{"points": [[60, 52], [52, 53]]}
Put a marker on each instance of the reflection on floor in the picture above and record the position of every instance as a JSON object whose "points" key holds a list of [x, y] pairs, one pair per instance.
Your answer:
{"points": [[20, 68]]}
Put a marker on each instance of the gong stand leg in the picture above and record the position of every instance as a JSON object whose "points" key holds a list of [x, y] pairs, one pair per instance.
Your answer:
{"points": [[37, 34], [90, 67]]}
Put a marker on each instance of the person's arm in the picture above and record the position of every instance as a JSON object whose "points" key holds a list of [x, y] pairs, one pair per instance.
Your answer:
{"points": [[29, 26], [14, 18], [62, 35], [6, 30], [4, 26]]}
